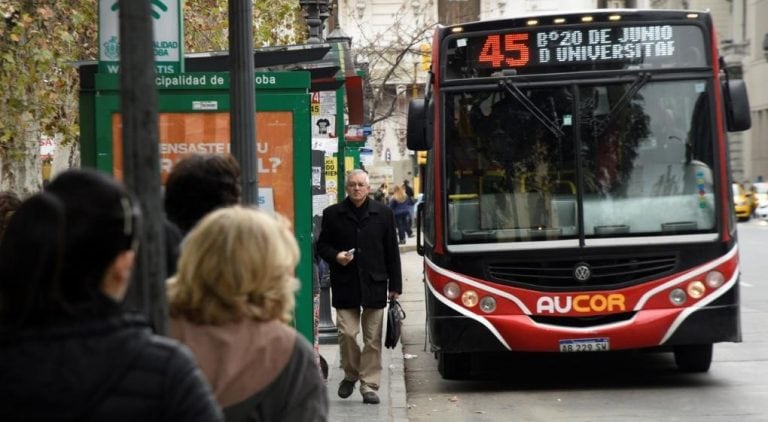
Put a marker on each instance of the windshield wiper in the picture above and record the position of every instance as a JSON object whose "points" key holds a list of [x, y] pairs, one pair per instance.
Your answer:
{"points": [[532, 108], [638, 83]]}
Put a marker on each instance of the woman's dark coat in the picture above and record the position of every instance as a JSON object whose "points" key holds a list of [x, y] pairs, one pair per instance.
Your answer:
{"points": [[105, 369], [375, 270]]}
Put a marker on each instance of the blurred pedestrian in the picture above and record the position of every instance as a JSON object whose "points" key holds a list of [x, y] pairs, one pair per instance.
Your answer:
{"points": [[359, 243], [197, 185], [9, 202], [408, 188], [401, 205], [67, 349], [230, 303], [410, 194], [381, 194]]}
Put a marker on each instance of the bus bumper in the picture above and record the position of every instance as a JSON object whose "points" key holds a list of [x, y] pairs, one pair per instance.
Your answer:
{"points": [[453, 332]]}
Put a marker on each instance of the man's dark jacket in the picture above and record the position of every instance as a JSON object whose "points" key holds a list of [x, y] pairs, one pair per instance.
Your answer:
{"points": [[375, 270], [106, 369]]}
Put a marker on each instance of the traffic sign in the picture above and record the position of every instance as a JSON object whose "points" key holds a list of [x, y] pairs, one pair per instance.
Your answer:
{"points": [[168, 44]]}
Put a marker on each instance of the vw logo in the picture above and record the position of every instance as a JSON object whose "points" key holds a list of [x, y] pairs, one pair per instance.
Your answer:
{"points": [[582, 272]]}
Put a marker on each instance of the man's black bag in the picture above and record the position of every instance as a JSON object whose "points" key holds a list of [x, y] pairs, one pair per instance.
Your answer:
{"points": [[395, 317]]}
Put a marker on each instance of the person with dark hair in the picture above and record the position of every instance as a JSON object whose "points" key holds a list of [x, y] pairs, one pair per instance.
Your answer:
{"points": [[199, 184], [67, 349], [408, 188], [381, 194], [411, 199], [9, 201]]}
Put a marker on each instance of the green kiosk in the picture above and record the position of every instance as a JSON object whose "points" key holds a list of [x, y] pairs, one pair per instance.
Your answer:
{"points": [[193, 116]]}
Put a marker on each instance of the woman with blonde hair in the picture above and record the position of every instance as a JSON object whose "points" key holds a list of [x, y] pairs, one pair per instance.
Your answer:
{"points": [[230, 302], [401, 205]]}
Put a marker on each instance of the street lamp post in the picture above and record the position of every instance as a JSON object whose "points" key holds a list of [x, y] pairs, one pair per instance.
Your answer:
{"points": [[315, 13], [326, 330]]}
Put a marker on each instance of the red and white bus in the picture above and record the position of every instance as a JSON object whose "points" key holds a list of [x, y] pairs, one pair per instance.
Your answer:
{"points": [[577, 191]]}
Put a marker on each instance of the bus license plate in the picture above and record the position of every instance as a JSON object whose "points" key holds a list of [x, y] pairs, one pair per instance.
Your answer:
{"points": [[585, 345]]}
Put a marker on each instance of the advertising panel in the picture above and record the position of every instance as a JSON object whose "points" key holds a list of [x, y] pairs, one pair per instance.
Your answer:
{"points": [[185, 133]]}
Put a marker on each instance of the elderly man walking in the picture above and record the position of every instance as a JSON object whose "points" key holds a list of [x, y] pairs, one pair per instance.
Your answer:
{"points": [[359, 242]]}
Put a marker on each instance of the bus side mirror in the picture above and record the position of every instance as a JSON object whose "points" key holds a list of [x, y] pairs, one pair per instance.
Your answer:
{"points": [[419, 136], [737, 114]]}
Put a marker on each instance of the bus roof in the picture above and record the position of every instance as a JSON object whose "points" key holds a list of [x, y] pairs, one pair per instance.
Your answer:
{"points": [[599, 15]]}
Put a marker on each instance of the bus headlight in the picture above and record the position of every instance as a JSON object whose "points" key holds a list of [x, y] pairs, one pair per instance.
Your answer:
{"points": [[451, 290], [714, 279], [469, 298], [696, 289], [487, 304], [677, 297]]}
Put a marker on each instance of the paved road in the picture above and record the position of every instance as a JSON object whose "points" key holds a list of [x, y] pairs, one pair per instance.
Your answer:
{"points": [[609, 387]]}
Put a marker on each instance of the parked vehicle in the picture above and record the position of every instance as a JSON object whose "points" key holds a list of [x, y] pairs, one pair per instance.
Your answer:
{"points": [[762, 210], [760, 192], [741, 203]]}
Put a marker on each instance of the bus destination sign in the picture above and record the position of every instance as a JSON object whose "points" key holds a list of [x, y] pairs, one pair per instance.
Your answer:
{"points": [[573, 49], [602, 44]]}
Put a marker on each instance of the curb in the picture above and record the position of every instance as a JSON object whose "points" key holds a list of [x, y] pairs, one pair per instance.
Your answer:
{"points": [[398, 404]]}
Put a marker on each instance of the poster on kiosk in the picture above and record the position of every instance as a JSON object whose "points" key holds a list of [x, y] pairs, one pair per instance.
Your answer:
{"points": [[208, 133]]}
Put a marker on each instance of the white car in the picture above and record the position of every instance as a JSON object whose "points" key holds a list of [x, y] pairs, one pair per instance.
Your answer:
{"points": [[762, 210]]}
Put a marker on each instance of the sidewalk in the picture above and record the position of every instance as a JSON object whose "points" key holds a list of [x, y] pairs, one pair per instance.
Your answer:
{"points": [[393, 406]]}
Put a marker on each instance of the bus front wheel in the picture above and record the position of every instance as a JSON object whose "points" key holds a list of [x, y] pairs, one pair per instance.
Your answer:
{"points": [[693, 357], [454, 366]]}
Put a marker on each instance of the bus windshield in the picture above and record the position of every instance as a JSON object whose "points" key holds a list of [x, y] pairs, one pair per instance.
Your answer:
{"points": [[638, 155]]}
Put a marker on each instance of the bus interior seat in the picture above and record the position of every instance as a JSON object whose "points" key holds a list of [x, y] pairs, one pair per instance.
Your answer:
{"points": [[464, 215], [564, 213]]}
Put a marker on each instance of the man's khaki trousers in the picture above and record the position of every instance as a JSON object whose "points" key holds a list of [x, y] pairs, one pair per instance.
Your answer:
{"points": [[364, 365]]}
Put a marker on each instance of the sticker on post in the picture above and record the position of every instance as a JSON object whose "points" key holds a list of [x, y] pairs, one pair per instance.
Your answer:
{"points": [[600, 344], [205, 105]]}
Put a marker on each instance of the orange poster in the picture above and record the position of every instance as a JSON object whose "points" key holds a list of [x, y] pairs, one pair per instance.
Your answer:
{"points": [[274, 132], [184, 133]]}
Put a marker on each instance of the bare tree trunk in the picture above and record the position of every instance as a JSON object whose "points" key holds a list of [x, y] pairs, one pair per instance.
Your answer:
{"points": [[20, 169]]}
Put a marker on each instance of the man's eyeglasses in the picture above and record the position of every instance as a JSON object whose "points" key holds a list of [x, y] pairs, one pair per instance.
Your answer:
{"points": [[359, 185]]}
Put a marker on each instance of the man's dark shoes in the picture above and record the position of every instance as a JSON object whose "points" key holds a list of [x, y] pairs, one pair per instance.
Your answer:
{"points": [[370, 397], [346, 388]]}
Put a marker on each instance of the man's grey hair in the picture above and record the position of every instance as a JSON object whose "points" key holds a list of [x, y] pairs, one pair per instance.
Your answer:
{"points": [[356, 172]]}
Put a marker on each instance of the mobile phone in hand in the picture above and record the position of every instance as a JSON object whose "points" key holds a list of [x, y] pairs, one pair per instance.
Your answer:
{"points": [[351, 252]]}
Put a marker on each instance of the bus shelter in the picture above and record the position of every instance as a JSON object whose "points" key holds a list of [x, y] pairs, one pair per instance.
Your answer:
{"points": [[193, 116]]}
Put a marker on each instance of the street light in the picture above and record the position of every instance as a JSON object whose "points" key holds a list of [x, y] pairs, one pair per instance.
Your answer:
{"points": [[327, 332], [315, 13], [338, 35]]}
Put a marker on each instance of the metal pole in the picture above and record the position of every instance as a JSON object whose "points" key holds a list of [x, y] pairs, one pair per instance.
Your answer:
{"points": [[243, 97], [326, 331], [141, 158]]}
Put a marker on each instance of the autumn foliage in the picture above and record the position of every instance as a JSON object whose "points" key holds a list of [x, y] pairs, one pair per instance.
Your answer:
{"points": [[41, 42]]}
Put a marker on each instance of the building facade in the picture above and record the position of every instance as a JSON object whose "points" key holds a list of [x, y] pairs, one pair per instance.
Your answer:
{"points": [[753, 42]]}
